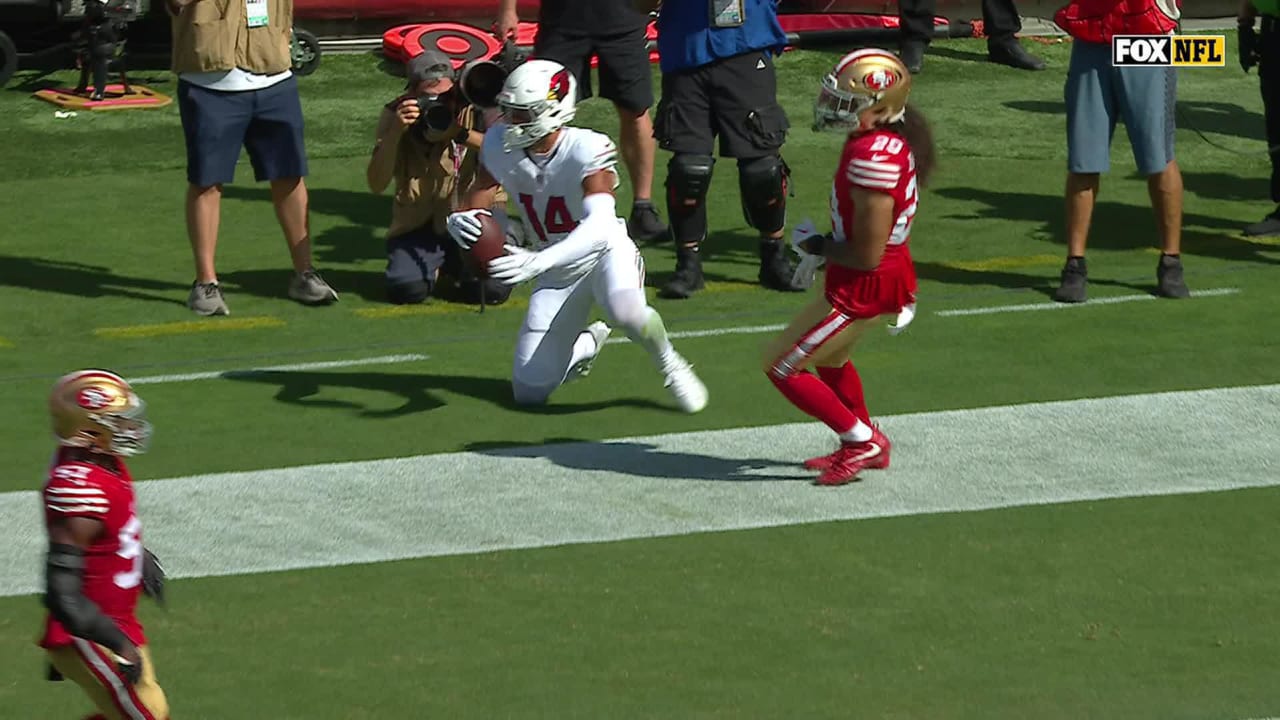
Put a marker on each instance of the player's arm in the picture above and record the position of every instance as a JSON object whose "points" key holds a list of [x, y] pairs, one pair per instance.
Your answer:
{"points": [[69, 537], [599, 222], [646, 6], [872, 225], [464, 223], [483, 191]]}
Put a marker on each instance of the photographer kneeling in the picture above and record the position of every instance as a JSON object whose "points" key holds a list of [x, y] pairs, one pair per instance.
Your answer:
{"points": [[429, 144]]}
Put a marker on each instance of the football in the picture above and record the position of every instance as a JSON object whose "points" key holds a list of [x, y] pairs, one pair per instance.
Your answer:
{"points": [[492, 244]]}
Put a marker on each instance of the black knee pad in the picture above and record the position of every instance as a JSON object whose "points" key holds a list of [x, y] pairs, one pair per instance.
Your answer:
{"points": [[763, 183], [688, 179], [408, 293]]}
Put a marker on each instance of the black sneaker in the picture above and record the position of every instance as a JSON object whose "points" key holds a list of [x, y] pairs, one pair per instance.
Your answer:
{"points": [[912, 55], [644, 225], [1169, 282], [776, 270], [687, 279], [1268, 226], [1075, 281]]}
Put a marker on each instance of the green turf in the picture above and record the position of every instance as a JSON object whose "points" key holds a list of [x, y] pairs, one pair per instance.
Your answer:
{"points": [[1142, 608], [1125, 609]]}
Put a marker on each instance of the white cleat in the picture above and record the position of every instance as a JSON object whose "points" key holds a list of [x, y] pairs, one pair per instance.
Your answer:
{"points": [[689, 392], [582, 368]]}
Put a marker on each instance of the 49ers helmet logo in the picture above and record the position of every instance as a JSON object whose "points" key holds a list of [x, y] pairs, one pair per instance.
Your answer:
{"points": [[93, 398], [559, 89], [879, 80]]}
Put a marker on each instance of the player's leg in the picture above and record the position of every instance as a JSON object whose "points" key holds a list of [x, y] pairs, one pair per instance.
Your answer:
{"points": [[753, 127], [94, 669], [277, 149], [1147, 98], [822, 331], [626, 79], [1091, 121], [683, 126], [214, 126], [552, 341], [618, 285]]}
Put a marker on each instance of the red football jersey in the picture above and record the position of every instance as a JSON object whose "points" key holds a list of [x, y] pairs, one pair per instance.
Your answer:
{"points": [[879, 161], [113, 563]]}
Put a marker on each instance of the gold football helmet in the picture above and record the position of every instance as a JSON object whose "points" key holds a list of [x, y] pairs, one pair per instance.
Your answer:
{"points": [[99, 411], [864, 80]]}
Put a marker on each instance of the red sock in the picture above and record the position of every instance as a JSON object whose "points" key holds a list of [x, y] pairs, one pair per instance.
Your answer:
{"points": [[811, 395], [846, 383]]}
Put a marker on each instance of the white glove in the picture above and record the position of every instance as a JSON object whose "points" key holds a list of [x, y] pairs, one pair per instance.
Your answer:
{"points": [[905, 316], [464, 226], [515, 232], [809, 264], [517, 266], [805, 230]]}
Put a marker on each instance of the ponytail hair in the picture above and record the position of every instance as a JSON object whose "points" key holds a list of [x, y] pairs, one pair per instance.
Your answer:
{"points": [[914, 128]]}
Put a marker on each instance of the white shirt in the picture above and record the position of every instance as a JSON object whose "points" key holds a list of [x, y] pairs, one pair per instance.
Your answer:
{"points": [[236, 80]]}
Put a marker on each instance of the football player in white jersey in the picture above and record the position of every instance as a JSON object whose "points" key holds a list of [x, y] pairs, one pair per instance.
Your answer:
{"points": [[563, 179]]}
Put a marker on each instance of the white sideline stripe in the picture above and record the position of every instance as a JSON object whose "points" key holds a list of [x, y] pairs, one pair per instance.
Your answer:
{"points": [[711, 332], [457, 503], [959, 312], [1030, 307], [215, 374]]}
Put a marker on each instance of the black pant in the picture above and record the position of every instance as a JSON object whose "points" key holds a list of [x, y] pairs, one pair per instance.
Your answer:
{"points": [[1269, 76], [999, 20]]}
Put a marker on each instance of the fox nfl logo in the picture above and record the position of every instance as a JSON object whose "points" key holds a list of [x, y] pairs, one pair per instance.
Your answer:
{"points": [[1169, 50]]}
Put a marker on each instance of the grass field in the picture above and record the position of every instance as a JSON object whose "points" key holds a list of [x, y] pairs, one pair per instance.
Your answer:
{"points": [[366, 527]]}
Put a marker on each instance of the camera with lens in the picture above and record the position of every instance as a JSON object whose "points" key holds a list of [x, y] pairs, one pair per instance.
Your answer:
{"points": [[437, 112]]}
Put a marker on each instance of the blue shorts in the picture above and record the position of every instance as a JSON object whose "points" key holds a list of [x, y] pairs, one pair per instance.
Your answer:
{"points": [[1098, 95], [267, 123]]}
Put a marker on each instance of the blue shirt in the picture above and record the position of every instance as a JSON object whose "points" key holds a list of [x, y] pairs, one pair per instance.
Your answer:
{"points": [[686, 39]]}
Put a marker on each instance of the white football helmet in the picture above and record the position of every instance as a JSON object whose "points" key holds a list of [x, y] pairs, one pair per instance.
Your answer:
{"points": [[538, 98]]}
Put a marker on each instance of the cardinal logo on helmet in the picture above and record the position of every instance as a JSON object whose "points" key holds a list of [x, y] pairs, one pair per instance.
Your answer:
{"points": [[559, 89], [879, 80]]}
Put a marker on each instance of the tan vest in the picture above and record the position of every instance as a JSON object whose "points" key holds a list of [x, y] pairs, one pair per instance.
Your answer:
{"points": [[426, 183], [214, 35]]}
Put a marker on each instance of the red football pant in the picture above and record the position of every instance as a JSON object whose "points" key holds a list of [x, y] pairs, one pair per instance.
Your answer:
{"points": [[846, 383]]}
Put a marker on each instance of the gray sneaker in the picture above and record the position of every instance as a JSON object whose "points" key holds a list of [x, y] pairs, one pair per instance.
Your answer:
{"points": [[206, 299], [1169, 282], [309, 288], [1075, 282]]}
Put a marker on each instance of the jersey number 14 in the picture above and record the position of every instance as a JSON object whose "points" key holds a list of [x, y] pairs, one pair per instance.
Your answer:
{"points": [[555, 221]]}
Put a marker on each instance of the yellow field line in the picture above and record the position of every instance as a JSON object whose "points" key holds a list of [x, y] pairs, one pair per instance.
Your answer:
{"points": [[1004, 263], [435, 308], [188, 327], [5, 343]]}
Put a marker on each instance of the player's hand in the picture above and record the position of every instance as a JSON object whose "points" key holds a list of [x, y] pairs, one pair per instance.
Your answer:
{"points": [[905, 316], [153, 577], [129, 662], [505, 26], [407, 112], [1248, 45], [803, 237], [464, 227], [517, 266]]}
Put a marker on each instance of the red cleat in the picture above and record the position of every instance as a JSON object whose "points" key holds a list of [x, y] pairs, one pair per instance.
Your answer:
{"points": [[822, 462], [853, 458]]}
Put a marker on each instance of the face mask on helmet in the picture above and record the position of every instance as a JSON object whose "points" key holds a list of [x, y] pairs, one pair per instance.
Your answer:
{"points": [[130, 431], [538, 99], [834, 108]]}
